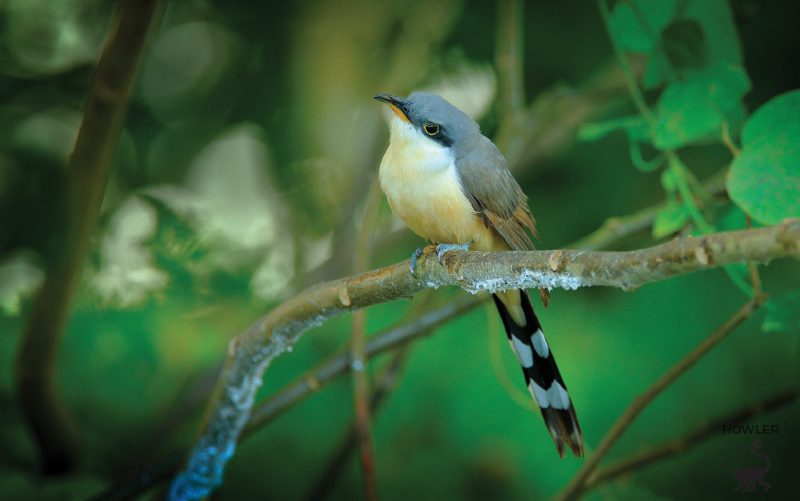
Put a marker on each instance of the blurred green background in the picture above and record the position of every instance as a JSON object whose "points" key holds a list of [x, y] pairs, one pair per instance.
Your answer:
{"points": [[241, 175]]}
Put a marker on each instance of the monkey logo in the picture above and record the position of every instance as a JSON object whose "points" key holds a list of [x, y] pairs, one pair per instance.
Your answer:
{"points": [[749, 476]]}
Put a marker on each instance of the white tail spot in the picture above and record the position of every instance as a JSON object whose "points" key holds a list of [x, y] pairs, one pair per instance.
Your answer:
{"points": [[539, 394], [540, 344], [523, 351], [559, 398]]}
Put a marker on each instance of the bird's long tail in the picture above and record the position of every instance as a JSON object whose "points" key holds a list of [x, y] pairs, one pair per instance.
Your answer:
{"points": [[540, 369]]}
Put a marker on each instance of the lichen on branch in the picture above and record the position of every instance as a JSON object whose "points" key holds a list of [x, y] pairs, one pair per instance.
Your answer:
{"points": [[570, 269]]}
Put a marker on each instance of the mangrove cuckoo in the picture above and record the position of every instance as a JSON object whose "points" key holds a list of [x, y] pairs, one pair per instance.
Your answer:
{"points": [[449, 183]]}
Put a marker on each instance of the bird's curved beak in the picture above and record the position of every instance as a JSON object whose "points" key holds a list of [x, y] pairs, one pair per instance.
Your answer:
{"points": [[399, 106]]}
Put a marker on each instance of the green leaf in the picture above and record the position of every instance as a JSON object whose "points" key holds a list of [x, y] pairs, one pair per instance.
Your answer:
{"points": [[765, 178], [695, 108], [777, 115], [719, 29], [670, 219], [637, 25], [702, 33], [676, 35], [783, 313]]}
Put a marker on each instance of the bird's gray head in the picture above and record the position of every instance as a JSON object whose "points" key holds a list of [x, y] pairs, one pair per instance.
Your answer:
{"points": [[434, 118]]}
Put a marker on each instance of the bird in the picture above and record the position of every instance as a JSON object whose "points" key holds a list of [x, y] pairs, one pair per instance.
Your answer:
{"points": [[451, 186]]}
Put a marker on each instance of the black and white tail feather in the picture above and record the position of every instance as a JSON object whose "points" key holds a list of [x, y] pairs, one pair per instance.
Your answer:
{"points": [[542, 377]]}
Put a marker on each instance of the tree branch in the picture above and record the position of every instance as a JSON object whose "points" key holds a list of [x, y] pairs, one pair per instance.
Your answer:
{"points": [[578, 483], [362, 409], [571, 269], [87, 173], [251, 352], [384, 384], [691, 439]]}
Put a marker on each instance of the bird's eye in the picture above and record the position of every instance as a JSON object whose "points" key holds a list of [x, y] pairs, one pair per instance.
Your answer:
{"points": [[430, 128]]}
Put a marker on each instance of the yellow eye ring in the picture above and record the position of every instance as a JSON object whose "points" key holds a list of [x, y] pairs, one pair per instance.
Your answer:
{"points": [[430, 128]]}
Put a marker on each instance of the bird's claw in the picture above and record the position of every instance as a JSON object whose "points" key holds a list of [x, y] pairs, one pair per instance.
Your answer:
{"points": [[417, 253], [443, 249]]}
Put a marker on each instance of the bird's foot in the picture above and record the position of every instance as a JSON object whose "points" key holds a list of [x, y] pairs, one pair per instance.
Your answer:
{"points": [[443, 249], [417, 253]]}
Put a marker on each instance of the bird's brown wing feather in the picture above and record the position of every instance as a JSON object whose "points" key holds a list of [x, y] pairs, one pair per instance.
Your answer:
{"points": [[495, 194]]}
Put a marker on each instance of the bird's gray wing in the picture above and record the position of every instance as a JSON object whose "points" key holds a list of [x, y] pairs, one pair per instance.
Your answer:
{"points": [[495, 194]]}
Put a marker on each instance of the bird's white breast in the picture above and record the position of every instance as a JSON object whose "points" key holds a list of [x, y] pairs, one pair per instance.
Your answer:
{"points": [[421, 183]]}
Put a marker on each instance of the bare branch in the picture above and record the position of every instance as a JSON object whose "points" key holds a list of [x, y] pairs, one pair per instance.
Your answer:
{"points": [[87, 173], [385, 383], [691, 439], [358, 355], [251, 352], [571, 269], [578, 483]]}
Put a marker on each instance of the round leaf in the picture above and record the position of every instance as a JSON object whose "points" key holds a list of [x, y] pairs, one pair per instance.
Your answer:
{"points": [[765, 178], [696, 107]]}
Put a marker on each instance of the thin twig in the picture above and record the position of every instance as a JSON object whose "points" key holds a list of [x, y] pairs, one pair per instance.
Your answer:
{"points": [[384, 385], [87, 172], [727, 140], [386, 382], [358, 351], [692, 439], [578, 483]]}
